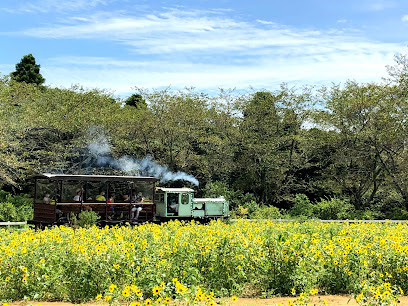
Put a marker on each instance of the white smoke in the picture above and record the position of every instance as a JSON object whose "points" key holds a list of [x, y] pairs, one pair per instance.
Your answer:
{"points": [[101, 151]]}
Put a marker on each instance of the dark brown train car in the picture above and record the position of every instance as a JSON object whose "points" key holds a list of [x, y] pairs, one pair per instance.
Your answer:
{"points": [[116, 199]]}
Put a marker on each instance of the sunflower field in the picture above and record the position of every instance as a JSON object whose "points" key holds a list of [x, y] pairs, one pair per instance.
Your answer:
{"points": [[195, 263]]}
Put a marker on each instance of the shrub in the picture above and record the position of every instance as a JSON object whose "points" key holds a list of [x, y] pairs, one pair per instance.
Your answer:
{"points": [[333, 209], [86, 219], [251, 206], [266, 212], [302, 207], [240, 212], [22, 204], [397, 214], [366, 215], [7, 212]]}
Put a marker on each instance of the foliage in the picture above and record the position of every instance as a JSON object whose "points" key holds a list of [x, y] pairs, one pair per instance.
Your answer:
{"points": [[302, 206], [325, 209], [28, 71], [333, 209], [86, 219], [136, 100], [7, 212], [182, 261], [266, 212], [15, 208]]}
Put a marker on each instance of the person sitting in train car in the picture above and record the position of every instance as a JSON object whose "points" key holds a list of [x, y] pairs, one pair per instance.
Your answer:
{"points": [[46, 198], [111, 208], [172, 207], [78, 196], [101, 197], [136, 209], [139, 198]]}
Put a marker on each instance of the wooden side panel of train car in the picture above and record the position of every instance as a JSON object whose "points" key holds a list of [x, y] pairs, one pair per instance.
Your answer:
{"points": [[44, 212]]}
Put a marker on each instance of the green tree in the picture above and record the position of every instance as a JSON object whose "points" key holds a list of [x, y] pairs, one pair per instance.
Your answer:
{"points": [[271, 155], [28, 71], [369, 131], [136, 100]]}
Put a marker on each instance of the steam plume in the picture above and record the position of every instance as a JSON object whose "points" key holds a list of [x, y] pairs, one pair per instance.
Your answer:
{"points": [[101, 151]]}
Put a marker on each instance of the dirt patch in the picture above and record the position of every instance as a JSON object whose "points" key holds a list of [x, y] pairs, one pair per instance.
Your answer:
{"points": [[335, 300]]}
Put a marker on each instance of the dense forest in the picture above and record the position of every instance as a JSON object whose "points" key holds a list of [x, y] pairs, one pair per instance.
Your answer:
{"points": [[309, 149]]}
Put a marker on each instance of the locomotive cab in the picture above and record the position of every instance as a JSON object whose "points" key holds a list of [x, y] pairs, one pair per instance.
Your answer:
{"points": [[173, 202]]}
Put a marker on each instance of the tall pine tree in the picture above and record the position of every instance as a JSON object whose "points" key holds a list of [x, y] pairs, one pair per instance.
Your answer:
{"points": [[28, 71]]}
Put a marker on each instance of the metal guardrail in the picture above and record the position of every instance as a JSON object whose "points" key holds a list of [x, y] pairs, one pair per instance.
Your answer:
{"points": [[325, 221], [12, 223]]}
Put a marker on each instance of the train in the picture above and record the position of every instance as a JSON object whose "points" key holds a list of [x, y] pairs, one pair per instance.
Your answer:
{"points": [[117, 200]]}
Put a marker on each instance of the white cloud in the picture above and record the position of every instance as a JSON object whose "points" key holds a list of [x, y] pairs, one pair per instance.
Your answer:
{"points": [[198, 32], [209, 49], [404, 18]]}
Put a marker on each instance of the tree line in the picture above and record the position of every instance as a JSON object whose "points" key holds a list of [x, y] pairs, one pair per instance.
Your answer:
{"points": [[346, 142]]}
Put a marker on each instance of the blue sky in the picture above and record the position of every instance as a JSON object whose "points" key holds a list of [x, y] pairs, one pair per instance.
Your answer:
{"points": [[122, 44]]}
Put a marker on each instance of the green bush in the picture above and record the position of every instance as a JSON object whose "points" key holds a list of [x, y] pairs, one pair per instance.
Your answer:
{"points": [[367, 215], [23, 205], [266, 212], [86, 219], [240, 212], [302, 207], [7, 212], [333, 209], [397, 214]]}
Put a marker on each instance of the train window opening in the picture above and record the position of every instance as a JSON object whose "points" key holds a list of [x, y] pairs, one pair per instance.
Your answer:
{"points": [[119, 192], [45, 191], [173, 203], [71, 192], [184, 198], [142, 190], [95, 192]]}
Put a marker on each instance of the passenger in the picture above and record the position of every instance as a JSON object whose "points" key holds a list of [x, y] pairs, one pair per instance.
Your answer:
{"points": [[172, 204], [172, 207], [78, 196], [111, 207], [135, 211], [55, 199], [101, 197], [46, 198], [139, 198]]}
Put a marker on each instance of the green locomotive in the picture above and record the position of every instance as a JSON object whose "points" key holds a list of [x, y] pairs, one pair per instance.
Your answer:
{"points": [[179, 203], [117, 200]]}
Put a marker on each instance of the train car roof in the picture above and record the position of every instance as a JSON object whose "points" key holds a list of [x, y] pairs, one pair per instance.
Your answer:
{"points": [[175, 189], [98, 178]]}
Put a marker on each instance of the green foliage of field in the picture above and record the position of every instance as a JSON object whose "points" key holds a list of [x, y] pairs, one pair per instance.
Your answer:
{"points": [[181, 261]]}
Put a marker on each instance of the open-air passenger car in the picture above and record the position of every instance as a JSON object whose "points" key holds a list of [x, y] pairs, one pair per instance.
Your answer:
{"points": [[57, 197]]}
